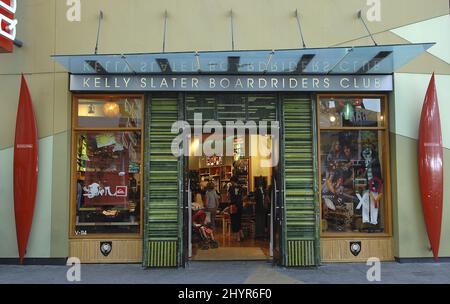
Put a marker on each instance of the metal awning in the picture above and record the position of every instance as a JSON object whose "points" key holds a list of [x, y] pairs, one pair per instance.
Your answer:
{"points": [[382, 59]]}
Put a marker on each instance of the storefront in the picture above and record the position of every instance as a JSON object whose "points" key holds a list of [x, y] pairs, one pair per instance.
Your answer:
{"points": [[153, 133], [323, 141]]}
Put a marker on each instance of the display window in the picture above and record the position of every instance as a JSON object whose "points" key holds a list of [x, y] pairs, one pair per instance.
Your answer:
{"points": [[353, 165], [113, 113], [107, 167]]}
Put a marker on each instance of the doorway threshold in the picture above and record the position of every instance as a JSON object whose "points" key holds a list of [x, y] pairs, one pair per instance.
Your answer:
{"points": [[231, 254]]}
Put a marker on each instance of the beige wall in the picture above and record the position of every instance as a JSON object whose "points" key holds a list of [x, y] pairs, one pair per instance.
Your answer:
{"points": [[137, 26]]}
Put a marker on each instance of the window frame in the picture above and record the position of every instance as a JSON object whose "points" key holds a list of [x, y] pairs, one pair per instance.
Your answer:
{"points": [[385, 149], [73, 162]]}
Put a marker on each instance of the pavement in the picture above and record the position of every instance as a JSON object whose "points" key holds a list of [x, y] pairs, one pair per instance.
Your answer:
{"points": [[229, 273]]}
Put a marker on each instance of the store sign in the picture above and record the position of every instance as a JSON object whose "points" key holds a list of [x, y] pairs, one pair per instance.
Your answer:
{"points": [[204, 83], [8, 25]]}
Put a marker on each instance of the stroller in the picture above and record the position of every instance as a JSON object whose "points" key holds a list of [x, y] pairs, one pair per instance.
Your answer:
{"points": [[204, 230]]}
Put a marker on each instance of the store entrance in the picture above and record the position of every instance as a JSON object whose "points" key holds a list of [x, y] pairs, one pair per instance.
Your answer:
{"points": [[230, 199], [230, 186]]}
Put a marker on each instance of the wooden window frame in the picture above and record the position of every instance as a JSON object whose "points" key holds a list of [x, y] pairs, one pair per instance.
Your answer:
{"points": [[73, 174], [385, 170]]}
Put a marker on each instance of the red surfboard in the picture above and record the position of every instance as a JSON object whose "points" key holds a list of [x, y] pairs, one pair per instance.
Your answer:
{"points": [[25, 168], [431, 167]]}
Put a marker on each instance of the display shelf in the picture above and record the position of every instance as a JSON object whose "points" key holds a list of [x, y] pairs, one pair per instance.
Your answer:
{"points": [[84, 209], [110, 224]]}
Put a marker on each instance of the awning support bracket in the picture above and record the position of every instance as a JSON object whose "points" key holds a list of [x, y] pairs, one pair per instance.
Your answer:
{"points": [[100, 18], [365, 25], [165, 32], [350, 50], [300, 28], [232, 30]]}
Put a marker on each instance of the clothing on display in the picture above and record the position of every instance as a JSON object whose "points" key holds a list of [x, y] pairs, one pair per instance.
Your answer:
{"points": [[351, 181]]}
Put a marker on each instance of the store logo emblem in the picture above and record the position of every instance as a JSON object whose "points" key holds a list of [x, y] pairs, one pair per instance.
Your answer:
{"points": [[105, 248], [96, 190], [121, 191], [355, 248]]}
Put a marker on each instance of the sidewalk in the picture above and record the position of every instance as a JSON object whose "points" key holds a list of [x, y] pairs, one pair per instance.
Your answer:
{"points": [[229, 273]]}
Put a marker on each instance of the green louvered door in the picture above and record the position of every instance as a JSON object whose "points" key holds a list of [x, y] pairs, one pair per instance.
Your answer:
{"points": [[301, 239], [162, 240]]}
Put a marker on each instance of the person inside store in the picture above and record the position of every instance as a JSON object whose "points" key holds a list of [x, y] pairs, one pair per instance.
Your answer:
{"points": [[335, 152], [198, 201], [236, 195], [212, 201], [200, 225], [260, 210]]}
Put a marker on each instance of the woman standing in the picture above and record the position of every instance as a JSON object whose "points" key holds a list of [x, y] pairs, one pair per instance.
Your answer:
{"points": [[236, 197]]}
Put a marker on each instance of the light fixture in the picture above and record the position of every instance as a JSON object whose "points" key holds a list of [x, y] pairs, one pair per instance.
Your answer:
{"points": [[332, 118], [111, 109]]}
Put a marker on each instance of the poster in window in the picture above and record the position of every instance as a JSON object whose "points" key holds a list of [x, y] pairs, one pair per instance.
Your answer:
{"points": [[107, 177]]}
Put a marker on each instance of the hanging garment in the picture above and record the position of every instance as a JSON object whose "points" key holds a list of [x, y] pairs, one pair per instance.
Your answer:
{"points": [[364, 203], [375, 199]]}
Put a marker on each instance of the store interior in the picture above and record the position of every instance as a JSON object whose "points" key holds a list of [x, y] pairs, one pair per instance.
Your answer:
{"points": [[249, 165]]}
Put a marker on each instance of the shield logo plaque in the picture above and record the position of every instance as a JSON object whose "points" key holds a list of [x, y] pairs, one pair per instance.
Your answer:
{"points": [[105, 248], [355, 248]]}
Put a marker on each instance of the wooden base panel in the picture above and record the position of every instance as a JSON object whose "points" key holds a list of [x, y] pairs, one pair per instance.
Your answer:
{"points": [[338, 250], [123, 251]]}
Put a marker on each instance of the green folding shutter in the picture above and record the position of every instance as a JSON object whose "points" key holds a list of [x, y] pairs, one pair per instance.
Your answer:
{"points": [[301, 241], [162, 240]]}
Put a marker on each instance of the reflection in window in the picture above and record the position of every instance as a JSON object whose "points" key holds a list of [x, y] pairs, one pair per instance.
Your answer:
{"points": [[352, 181], [108, 182], [113, 113], [351, 112]]}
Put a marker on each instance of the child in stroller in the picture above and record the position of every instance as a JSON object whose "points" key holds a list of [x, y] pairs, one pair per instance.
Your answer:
{"points": [[204, 230]]}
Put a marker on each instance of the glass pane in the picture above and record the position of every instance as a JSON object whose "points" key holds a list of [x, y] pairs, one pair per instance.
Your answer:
{"points": [[112, 113], [108, 183], [352, 181], [200, 104], [383, 59], [231, 108], [351, 112]]}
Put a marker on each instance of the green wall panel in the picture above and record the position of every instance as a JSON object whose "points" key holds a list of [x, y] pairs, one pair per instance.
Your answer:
{"points": [[162, 196], [301, 240]]}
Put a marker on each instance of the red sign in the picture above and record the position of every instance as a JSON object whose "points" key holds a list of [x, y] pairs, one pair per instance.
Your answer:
{"points": [[7, 25], [107, 178]]}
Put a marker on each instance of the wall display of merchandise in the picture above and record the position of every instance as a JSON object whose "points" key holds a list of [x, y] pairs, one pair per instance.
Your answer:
{"points": [[241, 170], [351, 166], [220, 176]]}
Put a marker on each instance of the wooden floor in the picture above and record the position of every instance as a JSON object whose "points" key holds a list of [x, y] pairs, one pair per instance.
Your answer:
{"points": [[248, 249]]}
